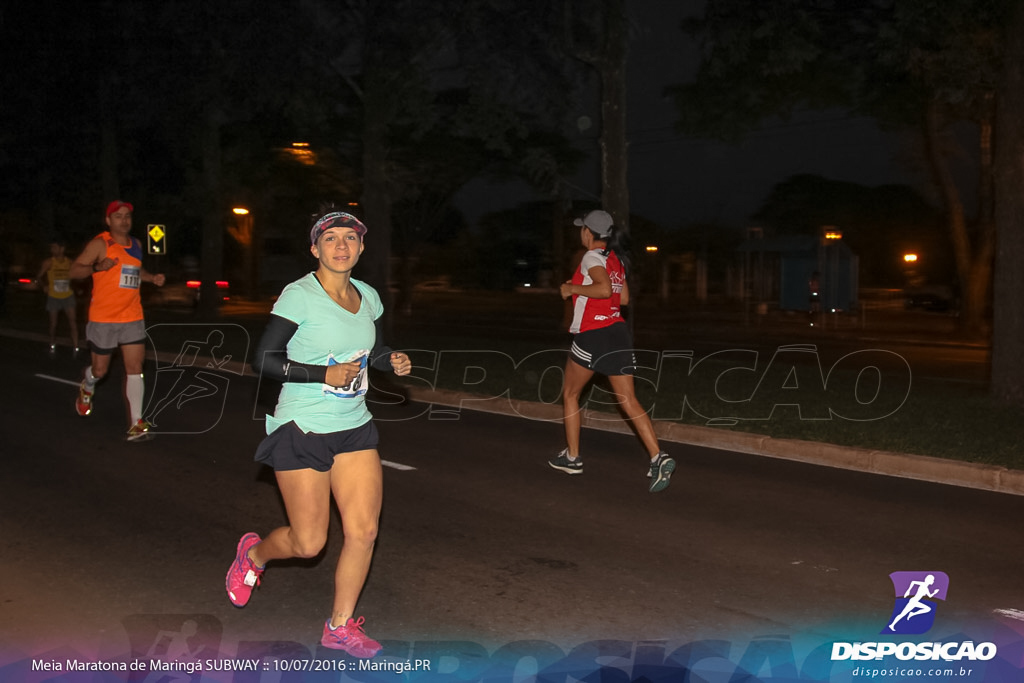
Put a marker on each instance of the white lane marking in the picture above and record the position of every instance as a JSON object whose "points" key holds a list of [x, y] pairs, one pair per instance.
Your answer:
{"points": [[386, 463], [57, 379], [397, 465]]}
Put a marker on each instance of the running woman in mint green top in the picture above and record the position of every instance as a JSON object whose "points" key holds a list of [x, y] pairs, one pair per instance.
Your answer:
{"points": [[327, 334], [322, 336]]}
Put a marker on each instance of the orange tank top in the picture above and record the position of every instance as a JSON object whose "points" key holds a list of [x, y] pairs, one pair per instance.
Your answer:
{"points": [[115, 292]]}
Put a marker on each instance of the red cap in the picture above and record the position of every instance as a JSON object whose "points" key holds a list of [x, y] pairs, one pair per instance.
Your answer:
{"points": [[117, 204]]}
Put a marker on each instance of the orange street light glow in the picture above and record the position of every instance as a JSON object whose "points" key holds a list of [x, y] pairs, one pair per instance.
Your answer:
{"points": [[239, 211], [910, 258]]}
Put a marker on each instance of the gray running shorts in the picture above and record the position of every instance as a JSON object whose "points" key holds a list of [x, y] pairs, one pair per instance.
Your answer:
{"points": [[54, 304], [106, 337]]}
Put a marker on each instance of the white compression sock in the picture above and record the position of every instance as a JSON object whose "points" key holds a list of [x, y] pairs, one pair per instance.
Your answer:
{"points": [[135, 389]]}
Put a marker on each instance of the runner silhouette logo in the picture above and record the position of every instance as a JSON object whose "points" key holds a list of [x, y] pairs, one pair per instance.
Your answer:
{"points": [[916, 596]]}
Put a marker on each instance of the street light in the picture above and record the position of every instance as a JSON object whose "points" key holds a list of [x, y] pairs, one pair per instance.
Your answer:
{"points": [[244, 231], [302, 153]]}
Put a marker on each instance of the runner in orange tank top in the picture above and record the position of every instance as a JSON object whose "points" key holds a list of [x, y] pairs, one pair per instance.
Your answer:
{"points": [[114, 259], [115, 291]]}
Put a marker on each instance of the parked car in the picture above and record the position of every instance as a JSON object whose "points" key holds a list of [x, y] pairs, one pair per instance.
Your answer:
{"points": [[434, 286], [183, 293], [931, 299]]}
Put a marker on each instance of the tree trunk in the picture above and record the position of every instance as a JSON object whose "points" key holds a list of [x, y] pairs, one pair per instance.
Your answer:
{"points": [[211, 263], [1008, 315], [614, 147], [608, 58], [108, 141], [375, 263], [969, 276], [984, 246]]}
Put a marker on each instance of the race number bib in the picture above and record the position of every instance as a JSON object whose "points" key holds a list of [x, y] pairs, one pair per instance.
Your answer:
{"points": [[358, 385], [131, 276], [61, 286]]}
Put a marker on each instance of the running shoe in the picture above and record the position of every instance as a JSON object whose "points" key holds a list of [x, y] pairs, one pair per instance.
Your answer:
{"points": [[139, 431], [564, 464], [350, 638], [243, 575], [662, 468], [83, 404]]}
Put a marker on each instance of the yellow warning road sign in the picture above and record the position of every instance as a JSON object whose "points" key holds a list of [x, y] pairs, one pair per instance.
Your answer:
{"points": [[156, 238]]}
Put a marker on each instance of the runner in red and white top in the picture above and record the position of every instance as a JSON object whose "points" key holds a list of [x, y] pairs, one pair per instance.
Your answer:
{"points": [[591, 313], [602, 344]]}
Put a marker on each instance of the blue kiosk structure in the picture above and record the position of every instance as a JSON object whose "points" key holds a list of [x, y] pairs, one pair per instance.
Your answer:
{"points": [[781, 268]]}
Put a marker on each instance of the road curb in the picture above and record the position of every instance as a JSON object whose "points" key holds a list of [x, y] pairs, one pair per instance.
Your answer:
{"points": [[920, 467]]}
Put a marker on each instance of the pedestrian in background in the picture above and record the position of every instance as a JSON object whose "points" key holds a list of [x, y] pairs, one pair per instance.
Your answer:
{"points": [[602, 344], [323, 333], [59, 296], [814, 297]]}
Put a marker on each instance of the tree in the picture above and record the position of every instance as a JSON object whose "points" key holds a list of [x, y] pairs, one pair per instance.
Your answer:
{"points": [[910, 63], [442, 92], [393, 90], [226, 70], [600, 39], [949, 55], [1008, 315]]}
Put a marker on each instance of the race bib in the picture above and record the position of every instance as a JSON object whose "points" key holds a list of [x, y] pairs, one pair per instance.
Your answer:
{"points": [[358, 385], [131, 276], [61, 286]]}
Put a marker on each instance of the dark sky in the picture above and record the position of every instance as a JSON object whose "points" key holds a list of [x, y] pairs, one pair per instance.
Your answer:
{"points": [[675, 180]]}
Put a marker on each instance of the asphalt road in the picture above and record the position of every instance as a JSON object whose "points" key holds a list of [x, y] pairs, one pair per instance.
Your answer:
{"points": [[105, 545]]}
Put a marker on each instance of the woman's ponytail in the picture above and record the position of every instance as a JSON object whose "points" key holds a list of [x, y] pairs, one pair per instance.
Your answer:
{"points": [[618, 241]]}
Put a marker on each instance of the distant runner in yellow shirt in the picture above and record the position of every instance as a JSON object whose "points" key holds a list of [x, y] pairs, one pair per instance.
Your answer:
{"points": [[59, 297]]}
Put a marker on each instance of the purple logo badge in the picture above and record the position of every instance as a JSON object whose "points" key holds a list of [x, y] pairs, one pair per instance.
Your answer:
{"points": [[916, 593]]}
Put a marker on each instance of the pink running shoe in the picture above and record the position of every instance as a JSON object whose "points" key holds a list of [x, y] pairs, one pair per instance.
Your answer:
{"points": [[351, 639], [243, 575]]}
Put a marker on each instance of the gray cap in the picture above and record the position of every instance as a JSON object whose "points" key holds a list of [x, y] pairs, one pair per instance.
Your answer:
{"points": [[599, 221]]}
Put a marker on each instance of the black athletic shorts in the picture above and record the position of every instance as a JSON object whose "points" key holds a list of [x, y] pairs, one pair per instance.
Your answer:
{"points": [[289, 448], [606, 350]]}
